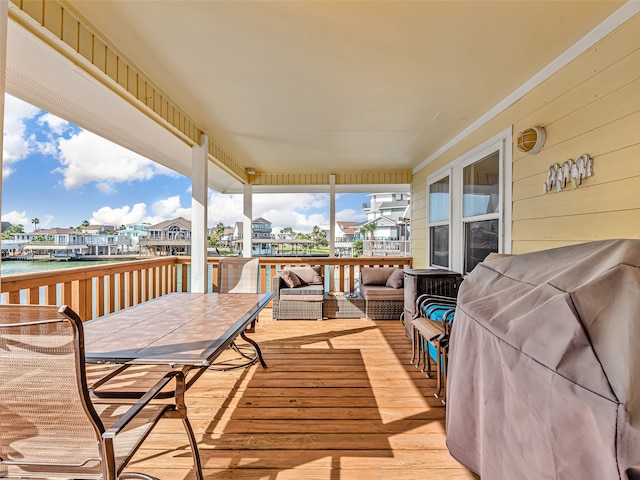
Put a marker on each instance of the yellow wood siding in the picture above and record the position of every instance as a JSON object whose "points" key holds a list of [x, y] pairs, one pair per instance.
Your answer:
{"points": [[591, 106], [342, 178]]}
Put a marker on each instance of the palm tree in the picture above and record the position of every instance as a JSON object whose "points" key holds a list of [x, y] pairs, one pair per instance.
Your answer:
{"points": [[371, 228], [35, 222], [216, 235], [287, 232]]}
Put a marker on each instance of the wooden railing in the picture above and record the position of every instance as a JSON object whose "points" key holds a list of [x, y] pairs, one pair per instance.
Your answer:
{"points": [[101, 289]]}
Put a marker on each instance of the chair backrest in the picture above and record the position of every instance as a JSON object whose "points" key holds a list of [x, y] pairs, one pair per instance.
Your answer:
{"points": [[48, 425], [238, 275]]}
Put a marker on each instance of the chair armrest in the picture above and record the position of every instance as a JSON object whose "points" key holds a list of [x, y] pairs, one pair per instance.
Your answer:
{"points": [[275, 287], [152, 393], [426, 299]]}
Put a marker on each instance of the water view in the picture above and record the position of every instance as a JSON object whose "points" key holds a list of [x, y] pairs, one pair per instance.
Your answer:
{"points": [[15, 267]]}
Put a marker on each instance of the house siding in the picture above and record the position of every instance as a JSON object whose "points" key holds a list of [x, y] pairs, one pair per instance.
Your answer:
{"points": [[591, 106]]}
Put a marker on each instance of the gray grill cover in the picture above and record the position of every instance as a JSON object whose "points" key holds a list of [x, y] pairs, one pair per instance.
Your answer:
{"points": [[544, 365]]}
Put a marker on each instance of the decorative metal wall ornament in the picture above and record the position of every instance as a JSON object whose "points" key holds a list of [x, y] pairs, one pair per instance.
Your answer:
{"points": [[570, 171]]}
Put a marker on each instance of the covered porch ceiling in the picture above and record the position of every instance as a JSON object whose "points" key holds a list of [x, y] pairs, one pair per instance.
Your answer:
{"points": [[365, 90]]}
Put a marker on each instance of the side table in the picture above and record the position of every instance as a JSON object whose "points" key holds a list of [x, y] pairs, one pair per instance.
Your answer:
{"points": [[343, 306]]}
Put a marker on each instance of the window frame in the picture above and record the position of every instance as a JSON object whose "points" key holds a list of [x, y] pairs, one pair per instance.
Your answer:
{"points": [[500, 143], [430, 224]]}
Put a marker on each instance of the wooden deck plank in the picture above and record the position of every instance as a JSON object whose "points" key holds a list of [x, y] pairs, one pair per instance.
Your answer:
{"points": [[339, 399]]}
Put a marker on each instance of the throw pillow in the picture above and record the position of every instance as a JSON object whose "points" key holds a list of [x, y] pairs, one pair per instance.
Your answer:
{"points": [[290, 278], [375, 275], [308, 275], [396, 280]]}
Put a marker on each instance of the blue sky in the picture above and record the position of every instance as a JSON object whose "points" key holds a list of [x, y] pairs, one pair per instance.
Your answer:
{"points": [[63, 175]]}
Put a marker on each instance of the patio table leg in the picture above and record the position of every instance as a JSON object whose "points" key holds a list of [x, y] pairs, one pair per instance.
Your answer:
{"points": [[257, 347]]}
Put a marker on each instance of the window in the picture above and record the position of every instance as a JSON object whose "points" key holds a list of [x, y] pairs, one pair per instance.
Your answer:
{"points": [[480, 209], [466, 200], [439, 207]]}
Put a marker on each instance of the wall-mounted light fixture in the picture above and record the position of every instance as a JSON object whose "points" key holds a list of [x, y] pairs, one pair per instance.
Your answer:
{"points": [[531, 140], [250, 171]]}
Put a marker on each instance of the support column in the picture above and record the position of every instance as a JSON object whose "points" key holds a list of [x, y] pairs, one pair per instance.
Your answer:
{"points": [[199, 231], [4, 24], [247, 219], [332, 229], [332, 215]]}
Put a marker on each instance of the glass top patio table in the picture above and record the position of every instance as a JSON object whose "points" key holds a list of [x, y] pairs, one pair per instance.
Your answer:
{"points": [[186, 329]]}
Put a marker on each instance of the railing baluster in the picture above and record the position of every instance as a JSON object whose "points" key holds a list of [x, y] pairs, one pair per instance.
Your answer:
{"points": [[100, 296], [50, 294], [33, 296], [111, 293], [127, 301], [123, 284]]}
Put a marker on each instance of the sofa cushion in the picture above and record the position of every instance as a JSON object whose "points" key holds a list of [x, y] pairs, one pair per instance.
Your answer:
{"points": [[308, 293], [375, 275], [381, 292], [396, 279], [290, 278], [307, 275]]}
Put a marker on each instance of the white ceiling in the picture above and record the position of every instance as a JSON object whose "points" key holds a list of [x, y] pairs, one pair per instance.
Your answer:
{"points": [[315, 86]]}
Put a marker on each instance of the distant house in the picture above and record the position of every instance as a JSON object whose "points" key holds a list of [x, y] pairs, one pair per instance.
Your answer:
{"points": [[99, 229], [68, 241], [390, 212], [346, 231], [171, 237], [135, 232], [261, 244]]}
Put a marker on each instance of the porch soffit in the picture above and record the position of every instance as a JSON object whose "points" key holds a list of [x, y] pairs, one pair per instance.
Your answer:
{"points": [[295, 90]]}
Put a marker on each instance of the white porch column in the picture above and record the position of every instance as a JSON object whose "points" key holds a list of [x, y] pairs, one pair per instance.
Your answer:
{"points": [[199, 231], [332, 229], [4, 24], [332, 215], [247, 231]]}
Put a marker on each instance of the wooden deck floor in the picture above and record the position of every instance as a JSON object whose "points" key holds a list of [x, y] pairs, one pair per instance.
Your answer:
{"points": [[338, 401]]}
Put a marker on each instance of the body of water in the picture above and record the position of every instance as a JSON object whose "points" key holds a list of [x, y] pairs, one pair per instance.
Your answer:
{"points": [[12, 267]]}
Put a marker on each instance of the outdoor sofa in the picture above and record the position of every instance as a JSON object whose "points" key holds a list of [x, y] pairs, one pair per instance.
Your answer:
{"points": [[298, 293], [383, 291]]}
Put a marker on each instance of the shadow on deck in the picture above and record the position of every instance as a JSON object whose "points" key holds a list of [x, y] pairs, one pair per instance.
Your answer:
{"points": [[339, 400]]}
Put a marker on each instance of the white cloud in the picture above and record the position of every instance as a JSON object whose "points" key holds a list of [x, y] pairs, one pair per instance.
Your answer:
{"points": [[297, 211], [162, 210], [350, 215], [292, 210], [170, 208], [224, 208], [16, 218], [87, 158], [106, 188], [16, 145], [120, 216], [55, 124], [46, 221], [282, 210]]}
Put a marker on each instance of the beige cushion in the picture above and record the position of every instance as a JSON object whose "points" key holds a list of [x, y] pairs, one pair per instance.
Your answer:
{"points": [[375, 275], [305, 293], [381, 292], [396, 279], [290, 278], [307, 275]]}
